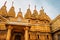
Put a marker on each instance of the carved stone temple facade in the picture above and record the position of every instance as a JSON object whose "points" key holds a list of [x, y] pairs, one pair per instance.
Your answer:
{"points": [[33, 26]]}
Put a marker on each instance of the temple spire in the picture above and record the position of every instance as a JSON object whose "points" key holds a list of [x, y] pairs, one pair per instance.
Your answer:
{"points": [[42, 11], [19, 14], [12, 3], [3, 10], [35, 14], [43, 14], [5, 3], [19, 9], [35, 7], [42, 8], [29, 6], [28, 13], [11, 12]]}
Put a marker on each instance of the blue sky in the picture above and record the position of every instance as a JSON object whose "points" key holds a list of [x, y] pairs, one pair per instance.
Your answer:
{"points": [[51, 7]]}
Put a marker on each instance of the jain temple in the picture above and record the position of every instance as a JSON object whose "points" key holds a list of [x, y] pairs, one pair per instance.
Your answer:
{"points": [[33, 26]]}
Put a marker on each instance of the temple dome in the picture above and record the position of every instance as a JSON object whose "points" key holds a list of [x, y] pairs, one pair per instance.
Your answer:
{"points": [[11, 12], [43, 16], [35, 14], [28, 13], [3, 11], [19, 14]]}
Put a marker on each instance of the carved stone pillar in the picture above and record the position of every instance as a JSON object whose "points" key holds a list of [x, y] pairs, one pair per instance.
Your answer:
{"points": [[26, 33], [9, 33]]}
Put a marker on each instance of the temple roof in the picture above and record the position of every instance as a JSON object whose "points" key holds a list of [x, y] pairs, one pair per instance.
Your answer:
{"points": [[19, 14], [28, 13], [43, 16], [11, 12], [3, 10], [57, 18], [35, 14], [55, 24]]}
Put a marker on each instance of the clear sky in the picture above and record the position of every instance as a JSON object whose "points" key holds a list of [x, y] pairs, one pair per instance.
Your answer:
{"points": [[51, 7]]}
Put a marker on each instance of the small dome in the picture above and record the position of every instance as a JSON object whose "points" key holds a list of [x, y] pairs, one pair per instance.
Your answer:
{"points": [[3, 10], [35, 14], [43, 16], [28, 13], [19, 14], [11, 12]]}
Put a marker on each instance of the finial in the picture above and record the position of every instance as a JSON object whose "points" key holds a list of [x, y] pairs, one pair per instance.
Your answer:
{"points": [[42, 7], [12, 3], [5, 3], [29, 6], [19, 9], [35, 7]]}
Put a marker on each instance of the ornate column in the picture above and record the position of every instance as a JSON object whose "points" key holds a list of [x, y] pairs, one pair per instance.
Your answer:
{"points": [[26, 33], [9, 33]]}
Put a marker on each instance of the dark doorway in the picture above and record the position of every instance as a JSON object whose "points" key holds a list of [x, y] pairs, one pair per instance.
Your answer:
{"points": [[17, 37], [58, 36]]}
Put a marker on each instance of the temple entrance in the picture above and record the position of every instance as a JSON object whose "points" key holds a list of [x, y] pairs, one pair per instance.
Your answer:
{"points": [[18, 31], [17, 37]]}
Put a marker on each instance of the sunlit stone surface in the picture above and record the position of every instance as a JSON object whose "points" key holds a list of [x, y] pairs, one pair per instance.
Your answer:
{"points": [[33, 26]]}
